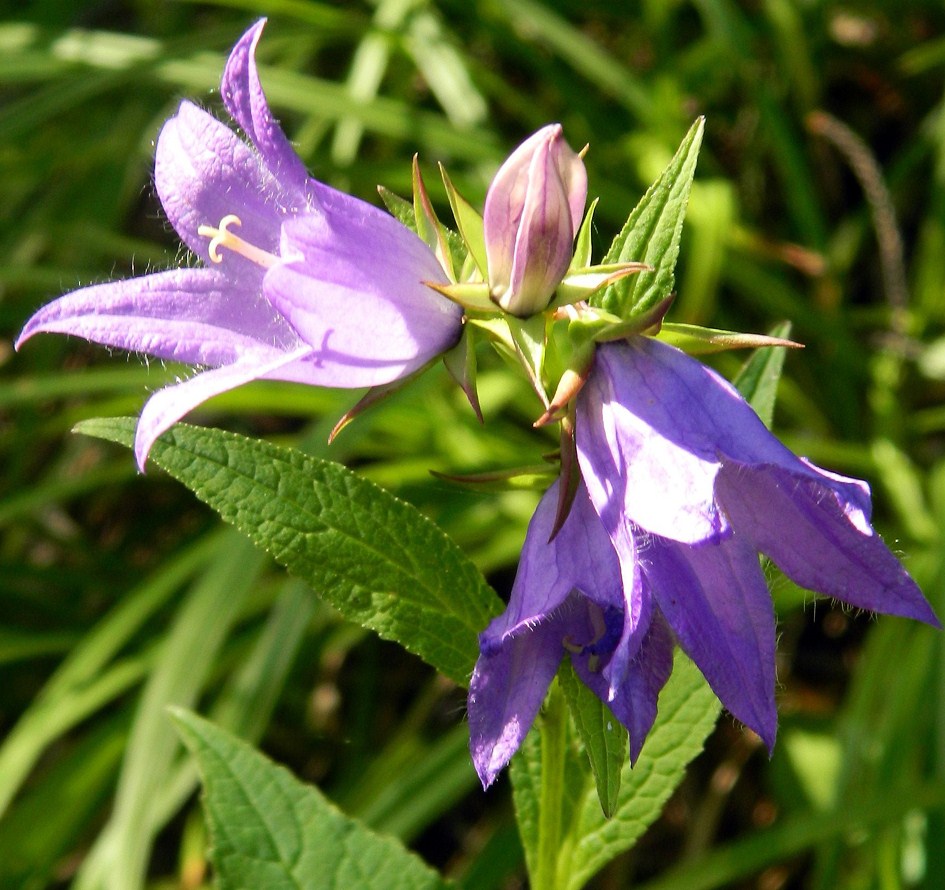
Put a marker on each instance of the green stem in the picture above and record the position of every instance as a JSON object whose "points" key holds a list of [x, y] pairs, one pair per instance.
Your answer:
{"points": [[551, 803]]}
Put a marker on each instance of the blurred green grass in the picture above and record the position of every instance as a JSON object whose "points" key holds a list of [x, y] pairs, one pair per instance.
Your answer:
{"points": [[120, 594]]}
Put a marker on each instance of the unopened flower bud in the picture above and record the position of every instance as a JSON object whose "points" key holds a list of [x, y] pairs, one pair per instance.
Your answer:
{"points": [[533, 210]]}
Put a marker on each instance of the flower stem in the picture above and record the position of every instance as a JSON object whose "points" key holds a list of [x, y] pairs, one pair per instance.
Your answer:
{"points": [[554, 729]]}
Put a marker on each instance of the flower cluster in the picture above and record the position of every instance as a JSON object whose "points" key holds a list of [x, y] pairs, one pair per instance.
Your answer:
{"points": [[652, 536]]}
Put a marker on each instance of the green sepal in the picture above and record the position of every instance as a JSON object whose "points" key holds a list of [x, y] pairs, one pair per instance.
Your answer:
{"points": [[700, 341], [374, 396], [460, 361], [582, 283], [496, 330], [568, 362], [758, 378], [601, 327], [399, 208], [469, 223], [582, 243], [429, 227], [535, 477], [529, 336], [402, 210], [473, 296], [570, 472]]}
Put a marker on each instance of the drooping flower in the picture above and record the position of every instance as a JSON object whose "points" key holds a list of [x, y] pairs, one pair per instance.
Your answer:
{"points": [[682, 487], [532, 212], [318, 287]]}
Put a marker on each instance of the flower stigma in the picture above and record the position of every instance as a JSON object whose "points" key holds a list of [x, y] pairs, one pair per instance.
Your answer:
{"points": [[223, 237]]}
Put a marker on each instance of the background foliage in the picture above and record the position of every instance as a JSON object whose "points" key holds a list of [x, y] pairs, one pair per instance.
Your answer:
{"points": [[819, 198]]}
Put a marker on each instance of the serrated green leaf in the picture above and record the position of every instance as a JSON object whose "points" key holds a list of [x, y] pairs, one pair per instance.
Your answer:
{"points": [[758, 378], [687, 712], [651, 235], [375, 558], [605, 740], [269, 830]]}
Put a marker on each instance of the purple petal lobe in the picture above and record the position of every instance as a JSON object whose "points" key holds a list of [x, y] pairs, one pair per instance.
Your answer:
{"points": [[203, 171], [716, 601], [199, 316], [245, 100], [506, 691], [170, 404], [543, 242], [820, 539]]}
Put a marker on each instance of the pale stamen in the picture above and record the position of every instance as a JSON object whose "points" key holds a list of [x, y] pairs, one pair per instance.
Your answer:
{"points": [[222, 237]]}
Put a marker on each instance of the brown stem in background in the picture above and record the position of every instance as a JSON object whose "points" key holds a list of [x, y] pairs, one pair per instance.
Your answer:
{"points": [[867, 171]]}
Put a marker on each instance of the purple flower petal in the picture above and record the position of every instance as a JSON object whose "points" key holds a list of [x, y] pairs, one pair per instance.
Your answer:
{"points": [[170, 404], [637, 460], [203, 171], [198, 316], [246, 102], [339, 249], [609, 503], [819, 539], [657, 425], [567, 596], [717, 603], [356, 292], [507, 689], [543, 242]]}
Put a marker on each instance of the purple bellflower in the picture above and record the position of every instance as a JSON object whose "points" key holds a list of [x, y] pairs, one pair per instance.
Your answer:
{"points": [[682, 487], [318, 287], [532, 212]]}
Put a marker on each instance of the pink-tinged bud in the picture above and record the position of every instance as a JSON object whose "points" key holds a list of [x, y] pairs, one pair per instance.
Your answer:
{"points": [[533, 210]]}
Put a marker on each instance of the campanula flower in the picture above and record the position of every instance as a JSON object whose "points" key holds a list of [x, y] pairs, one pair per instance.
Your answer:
{"points": [[299, 282], [682, 487], [532, 212]]}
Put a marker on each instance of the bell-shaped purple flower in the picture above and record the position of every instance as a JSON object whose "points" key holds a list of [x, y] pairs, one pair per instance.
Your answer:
{"points": [[532, 212], [682, 487], [300, 282]]}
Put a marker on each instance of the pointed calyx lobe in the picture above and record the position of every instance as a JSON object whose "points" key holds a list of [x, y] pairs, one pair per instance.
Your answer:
{"points": [[300, 283]]}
